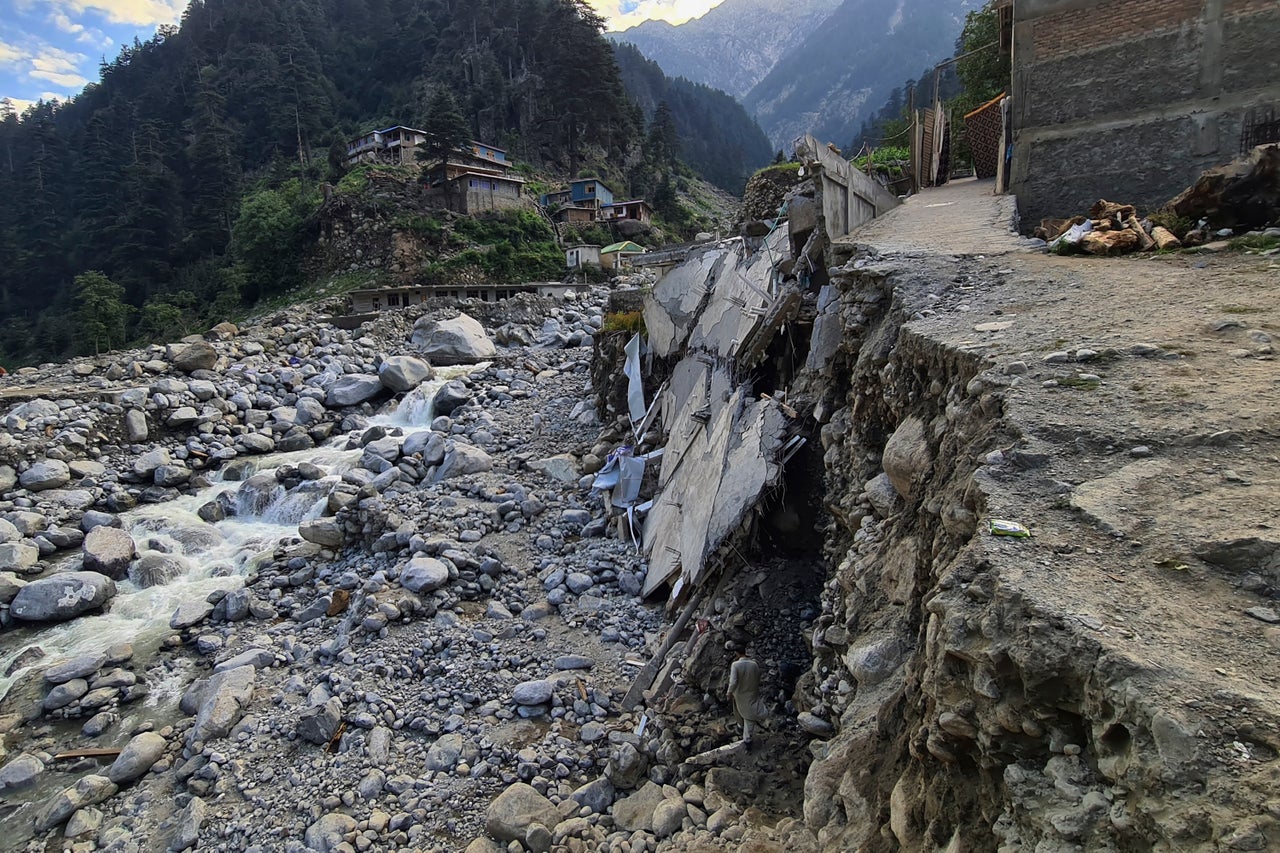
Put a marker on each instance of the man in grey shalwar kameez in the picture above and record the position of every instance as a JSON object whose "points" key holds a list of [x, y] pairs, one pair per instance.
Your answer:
{"points": [[744, 693]]}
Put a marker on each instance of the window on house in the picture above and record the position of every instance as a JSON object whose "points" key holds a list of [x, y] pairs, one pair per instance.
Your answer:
{"points": [[393, 299], [377, 304]]}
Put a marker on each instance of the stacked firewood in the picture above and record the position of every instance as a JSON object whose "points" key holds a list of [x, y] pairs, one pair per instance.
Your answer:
{"points": [[1109, 229]]}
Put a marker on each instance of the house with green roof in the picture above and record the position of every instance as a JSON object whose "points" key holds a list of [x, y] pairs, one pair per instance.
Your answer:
{"points": [[618, 255]]}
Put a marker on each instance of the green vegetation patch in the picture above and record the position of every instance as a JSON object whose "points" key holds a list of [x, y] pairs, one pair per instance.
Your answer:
{"points": [[786, 171], [1255, 243], [631, 322]]}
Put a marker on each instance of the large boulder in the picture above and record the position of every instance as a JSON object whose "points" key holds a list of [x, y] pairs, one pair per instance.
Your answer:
{"points": [[18, 556], [62, 597], [156, 569], [224, 331], [10, 586], [34, 410], [88, 791], [329, 832], [461, 340], [536, 692], [424, 574], [404, 372], [907, 456], [319, 724], [516, 809], [222, 702], [196, 356], [109, 551], [326, 532], [636, 811], [450, 397], [20, 773], [445, 752], [145, 465], [352, 390], [463, 459], [45, 474], [136, 758]]}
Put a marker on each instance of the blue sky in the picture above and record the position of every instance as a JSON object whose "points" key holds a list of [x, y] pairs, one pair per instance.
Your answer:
{"points": [[52, 48]]}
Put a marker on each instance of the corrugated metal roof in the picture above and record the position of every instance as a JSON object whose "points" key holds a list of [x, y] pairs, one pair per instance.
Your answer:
{"points": [[624, 246]]}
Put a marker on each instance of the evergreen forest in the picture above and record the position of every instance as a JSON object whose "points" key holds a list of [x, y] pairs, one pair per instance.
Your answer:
{"points": [[180, 187]]}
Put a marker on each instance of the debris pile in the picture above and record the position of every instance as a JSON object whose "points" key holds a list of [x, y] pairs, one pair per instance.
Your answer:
{"points": [[1109, 229], [1238, 200]]}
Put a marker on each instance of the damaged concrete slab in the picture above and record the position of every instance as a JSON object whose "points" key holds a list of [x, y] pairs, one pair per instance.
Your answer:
{"points": [[674, 305], [711, 486], [724, 449], [739, 299]]}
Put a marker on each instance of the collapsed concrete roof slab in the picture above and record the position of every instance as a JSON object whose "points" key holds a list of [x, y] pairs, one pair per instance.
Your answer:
{"points": [[740, 299], [673, 306], [711, 486]]}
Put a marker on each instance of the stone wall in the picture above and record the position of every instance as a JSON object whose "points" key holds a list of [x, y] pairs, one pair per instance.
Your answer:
{"points": [[1132, 101]]}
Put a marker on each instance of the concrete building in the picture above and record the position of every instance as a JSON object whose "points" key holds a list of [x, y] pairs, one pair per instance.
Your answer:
{"points": [[1131, 101], [584, 201], [576, 257], [619, 255], [396, 146], [474, 179], [637, 210], [363, 303]]}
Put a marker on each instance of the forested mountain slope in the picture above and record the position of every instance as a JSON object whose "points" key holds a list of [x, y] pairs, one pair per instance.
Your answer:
{"points": [[847, 68], [718, 139], [146, 173]]}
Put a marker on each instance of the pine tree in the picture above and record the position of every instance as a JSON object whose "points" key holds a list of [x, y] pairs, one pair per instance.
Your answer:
{"points": [[444, 123], [100, 313]]}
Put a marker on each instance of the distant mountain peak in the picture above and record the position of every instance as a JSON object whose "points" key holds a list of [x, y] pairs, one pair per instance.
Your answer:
{"points": [[733, 46]]}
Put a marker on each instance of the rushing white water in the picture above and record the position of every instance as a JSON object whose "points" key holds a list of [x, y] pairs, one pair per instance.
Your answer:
{"points": [[212, 556]]}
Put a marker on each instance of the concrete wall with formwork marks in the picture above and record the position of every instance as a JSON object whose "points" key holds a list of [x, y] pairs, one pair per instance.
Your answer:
{"points": [[1132, 101], [723, 444]]}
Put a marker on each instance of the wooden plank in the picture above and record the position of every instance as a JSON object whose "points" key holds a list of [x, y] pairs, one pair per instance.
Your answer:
{"points": [[86, 753], [644, 680]]}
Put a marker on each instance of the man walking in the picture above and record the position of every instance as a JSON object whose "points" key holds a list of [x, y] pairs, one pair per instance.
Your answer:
{"points": [[744, 693]]}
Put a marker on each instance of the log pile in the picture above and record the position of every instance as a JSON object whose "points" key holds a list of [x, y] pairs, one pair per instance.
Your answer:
{"points": [[1109, 229], [1224, 202]]}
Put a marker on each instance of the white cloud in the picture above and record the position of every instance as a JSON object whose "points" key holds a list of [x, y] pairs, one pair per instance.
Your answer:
{"points": [[624, 14], [132, 12], [65, 24], [11, 54], [57, 66]]}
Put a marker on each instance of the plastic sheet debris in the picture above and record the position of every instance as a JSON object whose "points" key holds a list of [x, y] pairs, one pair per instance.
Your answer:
{"points": [[1073, 235], [1000, 527], [635, 386]]}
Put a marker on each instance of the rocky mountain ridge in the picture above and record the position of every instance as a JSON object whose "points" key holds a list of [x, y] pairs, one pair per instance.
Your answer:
{"points": [[734, 45], [821, 68]]}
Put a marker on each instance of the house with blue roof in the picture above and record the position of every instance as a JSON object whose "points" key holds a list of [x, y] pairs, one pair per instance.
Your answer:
{"points": [[395, 146], [583, 201]]}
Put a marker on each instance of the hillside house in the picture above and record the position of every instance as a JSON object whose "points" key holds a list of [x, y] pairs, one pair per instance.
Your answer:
{"points": [[582, 202], [577, 257], [619, 255], [395, 146], [637, 210], [590, 192], [474, 179]]}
